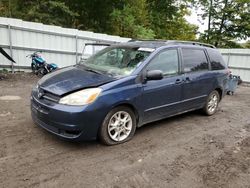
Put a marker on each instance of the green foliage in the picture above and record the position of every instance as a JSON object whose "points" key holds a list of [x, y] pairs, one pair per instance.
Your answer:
{"points": [[4, 71], [229, 20], [167, 17], [48, 12], [51, 12], [144, 33], [246, 45], [129, 22], [161, 19], [4, 8], [7, 7], [143, 19]]}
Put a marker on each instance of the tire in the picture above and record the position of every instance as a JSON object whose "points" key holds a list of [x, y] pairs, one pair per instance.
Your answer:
{"points": [[33, 68], [112, 126], [212, 103], [41, 72]]}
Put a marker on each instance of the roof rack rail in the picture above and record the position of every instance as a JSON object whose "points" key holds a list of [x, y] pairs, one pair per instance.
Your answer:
{"points": [[190, 43], [174, 42], [147, 40]]}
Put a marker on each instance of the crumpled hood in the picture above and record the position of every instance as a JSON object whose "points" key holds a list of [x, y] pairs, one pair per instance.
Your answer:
{"points": [[71, 79]]}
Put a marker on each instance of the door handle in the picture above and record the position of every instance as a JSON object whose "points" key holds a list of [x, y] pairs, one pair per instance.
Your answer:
{"points": [[178, 81]]}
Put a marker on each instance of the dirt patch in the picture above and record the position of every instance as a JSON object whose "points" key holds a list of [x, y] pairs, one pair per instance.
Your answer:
{"points": [[18, 76], [228, 168], [190, 150], [10, 98]]}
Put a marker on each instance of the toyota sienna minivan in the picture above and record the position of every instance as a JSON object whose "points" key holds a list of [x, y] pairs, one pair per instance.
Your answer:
{"points": [[127, 85]]}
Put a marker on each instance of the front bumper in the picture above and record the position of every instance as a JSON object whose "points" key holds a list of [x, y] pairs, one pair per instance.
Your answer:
{"points": [[68, 122], [66, 134]]}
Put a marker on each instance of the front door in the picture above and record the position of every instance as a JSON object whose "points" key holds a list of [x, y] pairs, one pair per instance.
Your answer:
{"points": [[161, 98]]}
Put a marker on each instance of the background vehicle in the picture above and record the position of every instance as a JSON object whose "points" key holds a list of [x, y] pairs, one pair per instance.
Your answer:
{"points": [[36, 61], [127, 85], [39, 65], [46, 68]]}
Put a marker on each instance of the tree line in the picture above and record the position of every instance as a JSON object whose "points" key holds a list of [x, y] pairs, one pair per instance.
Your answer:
{"points": [[228, 20]]}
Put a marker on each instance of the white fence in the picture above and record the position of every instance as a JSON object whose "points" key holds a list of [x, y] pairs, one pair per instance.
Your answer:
{"points": [[59, 45], [64, 46], [238, 60]]}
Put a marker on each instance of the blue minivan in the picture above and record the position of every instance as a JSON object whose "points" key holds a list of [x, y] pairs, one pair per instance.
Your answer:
{"points": [[127, 85]]}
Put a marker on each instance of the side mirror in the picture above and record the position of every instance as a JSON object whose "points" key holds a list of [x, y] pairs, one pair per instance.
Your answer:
{"points": [[154, 75]]}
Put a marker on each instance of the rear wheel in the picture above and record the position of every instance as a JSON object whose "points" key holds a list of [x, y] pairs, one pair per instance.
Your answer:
{"points": [[41, 72], [118, 126], [212, 103]]}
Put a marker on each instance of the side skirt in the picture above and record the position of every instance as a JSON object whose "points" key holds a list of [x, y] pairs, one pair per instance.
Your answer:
{"points": [[193, 109]]}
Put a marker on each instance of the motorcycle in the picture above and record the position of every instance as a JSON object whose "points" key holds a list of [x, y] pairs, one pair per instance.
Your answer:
{"points": [[39, 65], [46, 68]]}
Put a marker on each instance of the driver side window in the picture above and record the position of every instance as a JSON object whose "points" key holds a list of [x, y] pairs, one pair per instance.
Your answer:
{"points": [[167, 61]]}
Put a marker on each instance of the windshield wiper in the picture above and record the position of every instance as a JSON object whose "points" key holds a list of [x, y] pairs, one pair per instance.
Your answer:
{"points": [[91, 70], [95, 71]]}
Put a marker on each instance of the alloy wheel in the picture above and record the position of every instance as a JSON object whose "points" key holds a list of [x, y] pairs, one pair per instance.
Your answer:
{"points": [[212, 103], [120, 126]]}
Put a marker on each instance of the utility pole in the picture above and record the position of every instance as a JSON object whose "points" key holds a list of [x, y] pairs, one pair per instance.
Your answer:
{"points": [[209, 19]]}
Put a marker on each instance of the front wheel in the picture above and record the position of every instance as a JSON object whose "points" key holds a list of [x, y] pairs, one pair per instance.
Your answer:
{"points": [[33, 68], [212, 103], [118, 126]]}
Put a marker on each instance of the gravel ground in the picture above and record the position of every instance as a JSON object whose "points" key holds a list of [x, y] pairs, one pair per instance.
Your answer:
{"points": [[190, 150]]}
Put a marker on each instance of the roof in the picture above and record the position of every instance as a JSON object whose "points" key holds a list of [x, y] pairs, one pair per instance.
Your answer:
{"points": [[158, 43]]}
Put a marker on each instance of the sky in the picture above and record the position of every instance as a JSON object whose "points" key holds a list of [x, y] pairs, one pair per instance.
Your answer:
{"points": [[196, 20]]}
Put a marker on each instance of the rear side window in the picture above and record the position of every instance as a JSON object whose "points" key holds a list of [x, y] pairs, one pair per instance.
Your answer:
{"points": [[194, 60], [217, 62]]}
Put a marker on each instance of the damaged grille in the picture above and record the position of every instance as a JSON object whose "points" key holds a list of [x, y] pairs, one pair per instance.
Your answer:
{"points": [[43, 94]]}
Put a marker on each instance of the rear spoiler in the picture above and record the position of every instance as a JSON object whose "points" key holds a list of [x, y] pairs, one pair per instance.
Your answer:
{"points": [[6, 55]]}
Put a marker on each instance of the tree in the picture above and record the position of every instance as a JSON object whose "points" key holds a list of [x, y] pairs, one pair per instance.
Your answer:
{"points": [[132, 21], [167, 19], [229, 20], [48, 12], [6, 7], [142, 19], [247, 44], [161, 19], [94, 15]]}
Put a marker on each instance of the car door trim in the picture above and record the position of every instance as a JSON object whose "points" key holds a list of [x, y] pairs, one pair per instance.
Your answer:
{"points": [[174, 103]]}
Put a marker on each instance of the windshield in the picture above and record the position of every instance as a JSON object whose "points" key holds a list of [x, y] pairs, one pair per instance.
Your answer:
{"points": [[117, 61], [91, 49]]}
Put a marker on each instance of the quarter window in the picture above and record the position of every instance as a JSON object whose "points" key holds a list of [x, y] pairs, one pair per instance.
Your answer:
{"points": [[166, 61], [194, 60], [217, 62]]}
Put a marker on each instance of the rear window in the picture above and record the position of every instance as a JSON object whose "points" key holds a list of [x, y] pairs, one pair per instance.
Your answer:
{"points": [[217, 62], [194, 60]]}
